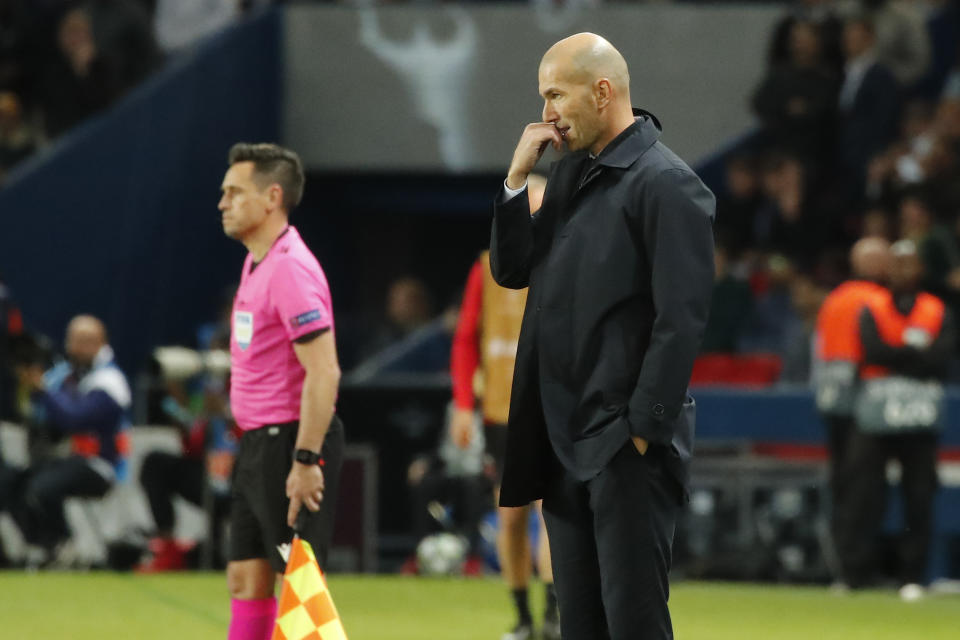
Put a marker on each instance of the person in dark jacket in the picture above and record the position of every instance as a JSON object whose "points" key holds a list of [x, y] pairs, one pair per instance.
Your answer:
{"points": [[78, 80], [869, 104], [819, 12], [797, 99], [619, 261]]}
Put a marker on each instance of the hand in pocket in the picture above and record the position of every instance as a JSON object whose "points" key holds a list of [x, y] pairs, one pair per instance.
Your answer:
{"points": [[640, 444]]}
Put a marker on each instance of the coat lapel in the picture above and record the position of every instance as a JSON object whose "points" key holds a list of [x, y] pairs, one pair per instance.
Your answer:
{"points": [[567, 179], [568, 174], [563, 184], [624, 150]]}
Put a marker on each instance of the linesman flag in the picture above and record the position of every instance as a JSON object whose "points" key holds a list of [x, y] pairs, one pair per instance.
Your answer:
{"points": [[306, 610]]}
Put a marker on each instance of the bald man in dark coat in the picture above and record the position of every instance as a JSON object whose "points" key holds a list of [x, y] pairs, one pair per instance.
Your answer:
{"points": [[619, 261]]}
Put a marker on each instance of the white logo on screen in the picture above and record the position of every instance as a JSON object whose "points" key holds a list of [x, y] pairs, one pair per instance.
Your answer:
{"points": [[437, 73], [243, 328]]}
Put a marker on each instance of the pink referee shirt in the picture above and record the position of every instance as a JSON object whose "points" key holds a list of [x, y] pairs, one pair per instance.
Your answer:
{"points": [[285, 297]]}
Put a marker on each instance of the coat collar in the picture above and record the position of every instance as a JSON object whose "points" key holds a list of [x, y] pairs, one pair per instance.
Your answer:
{"points": [[632, 142], [569, 177]]}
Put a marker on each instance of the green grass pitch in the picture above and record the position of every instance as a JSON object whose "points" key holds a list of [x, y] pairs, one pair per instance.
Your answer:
{"points": [[105, 606]]}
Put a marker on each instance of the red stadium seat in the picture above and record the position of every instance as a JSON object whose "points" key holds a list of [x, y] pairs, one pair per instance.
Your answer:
{"points": [[740, 370]]}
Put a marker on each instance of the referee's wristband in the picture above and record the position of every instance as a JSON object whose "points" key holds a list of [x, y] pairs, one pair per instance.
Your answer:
{"points": [[306, 456]]}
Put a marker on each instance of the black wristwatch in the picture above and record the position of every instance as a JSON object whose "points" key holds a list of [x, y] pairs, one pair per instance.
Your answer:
{"points": [[307, 457]]}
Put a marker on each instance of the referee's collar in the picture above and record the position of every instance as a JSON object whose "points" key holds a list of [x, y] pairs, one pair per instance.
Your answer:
{"points": [[256, 263]]}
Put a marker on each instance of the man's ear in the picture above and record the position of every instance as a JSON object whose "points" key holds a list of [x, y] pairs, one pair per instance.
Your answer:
{"points": [[275, 196], [602, 93]]}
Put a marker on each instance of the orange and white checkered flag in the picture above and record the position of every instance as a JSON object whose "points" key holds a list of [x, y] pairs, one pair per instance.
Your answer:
{"points": [[306, 610]]}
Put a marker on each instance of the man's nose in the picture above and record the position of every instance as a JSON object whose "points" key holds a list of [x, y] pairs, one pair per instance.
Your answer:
{"points": [[549, 114]]}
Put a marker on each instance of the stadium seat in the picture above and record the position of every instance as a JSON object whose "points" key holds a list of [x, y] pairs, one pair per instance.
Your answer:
{"points": [[753, 370]]}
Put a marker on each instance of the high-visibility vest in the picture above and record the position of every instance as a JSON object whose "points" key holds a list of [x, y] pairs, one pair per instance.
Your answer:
{"points": [[838, 322], [889, 403], [893, 327], [500, 319], [838, 353]]}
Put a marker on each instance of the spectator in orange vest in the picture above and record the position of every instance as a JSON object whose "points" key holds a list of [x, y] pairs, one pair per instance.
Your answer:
{"points": [[837, 355], [908, 337]]}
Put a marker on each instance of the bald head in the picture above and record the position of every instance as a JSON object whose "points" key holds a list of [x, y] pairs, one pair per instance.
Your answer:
{"points": [[585, 86], [587, 57], [86, 335], [869, 258]]}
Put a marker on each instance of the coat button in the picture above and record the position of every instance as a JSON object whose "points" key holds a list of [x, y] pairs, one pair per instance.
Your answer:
{"points": [[658, 409]]}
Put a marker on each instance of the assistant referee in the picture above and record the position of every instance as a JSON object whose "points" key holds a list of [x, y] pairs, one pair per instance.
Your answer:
{"points": [[283, 386]]}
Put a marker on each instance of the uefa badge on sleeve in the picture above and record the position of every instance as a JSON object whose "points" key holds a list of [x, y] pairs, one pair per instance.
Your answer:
{"points": [[305, 318]]}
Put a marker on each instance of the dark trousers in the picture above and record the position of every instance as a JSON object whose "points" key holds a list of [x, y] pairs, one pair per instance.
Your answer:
{"points": [[40, 492], [469, 497], [9, 485], [8, 480], [839, 431], [165, 475], [610, 542], [865, 501]]}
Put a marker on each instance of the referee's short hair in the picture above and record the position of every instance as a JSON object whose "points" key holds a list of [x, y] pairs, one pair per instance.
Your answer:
{"points": [[272, 163]]}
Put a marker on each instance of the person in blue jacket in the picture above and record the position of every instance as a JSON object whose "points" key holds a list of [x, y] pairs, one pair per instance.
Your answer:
{"points": [[83, 403]]}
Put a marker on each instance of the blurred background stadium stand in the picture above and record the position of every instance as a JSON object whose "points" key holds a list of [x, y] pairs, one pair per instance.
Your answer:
{"points": [[405, 114]]}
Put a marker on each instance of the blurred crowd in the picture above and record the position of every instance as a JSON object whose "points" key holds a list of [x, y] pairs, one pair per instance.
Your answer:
{"points": [[859, 136], [62, 61], [75, 406]]}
